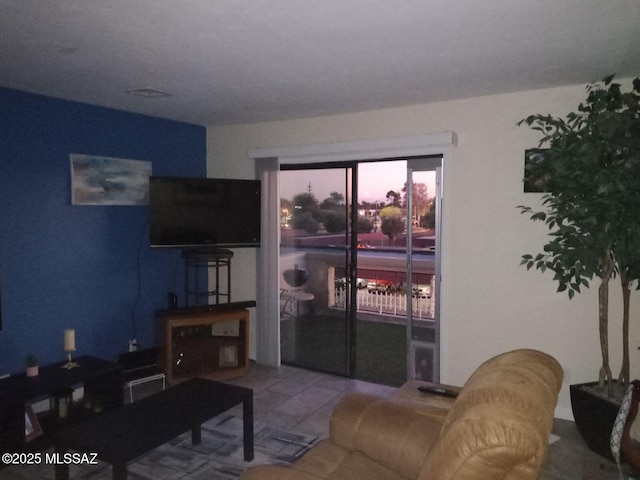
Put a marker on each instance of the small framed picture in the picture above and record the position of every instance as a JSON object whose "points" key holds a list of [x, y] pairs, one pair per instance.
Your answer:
{"points": [[228, 356], [534, 185], [32, 427]]}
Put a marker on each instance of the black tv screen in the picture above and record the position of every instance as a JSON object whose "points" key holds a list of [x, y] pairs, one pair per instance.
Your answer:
{"points": [[204, 212]]}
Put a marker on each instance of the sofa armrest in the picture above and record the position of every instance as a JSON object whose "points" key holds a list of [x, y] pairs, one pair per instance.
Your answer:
{"points": [[433, 405], [490, 441], [390, 434]]}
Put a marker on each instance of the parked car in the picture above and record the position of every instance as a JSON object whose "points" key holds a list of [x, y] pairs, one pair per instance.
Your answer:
{"points": [[420, 290], [341, 283], [382, 286]]}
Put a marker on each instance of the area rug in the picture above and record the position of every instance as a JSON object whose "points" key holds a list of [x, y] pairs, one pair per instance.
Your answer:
{"points": [[220, 456]]}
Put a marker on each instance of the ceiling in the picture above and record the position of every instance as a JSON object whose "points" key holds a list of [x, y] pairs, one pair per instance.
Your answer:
{"points": [[243, 61]]}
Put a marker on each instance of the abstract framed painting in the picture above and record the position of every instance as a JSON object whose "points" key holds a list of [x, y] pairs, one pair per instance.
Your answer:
{"points": [[99, 180]]}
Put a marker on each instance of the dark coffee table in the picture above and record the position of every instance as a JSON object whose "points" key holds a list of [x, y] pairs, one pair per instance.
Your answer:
{"points": [[122, 435]]}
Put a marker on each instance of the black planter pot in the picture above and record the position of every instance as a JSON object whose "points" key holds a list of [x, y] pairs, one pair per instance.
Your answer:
{"points": [[594, 417]]}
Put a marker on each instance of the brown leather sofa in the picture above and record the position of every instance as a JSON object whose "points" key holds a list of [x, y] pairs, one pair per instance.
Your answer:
{"points": [[497, 428]]}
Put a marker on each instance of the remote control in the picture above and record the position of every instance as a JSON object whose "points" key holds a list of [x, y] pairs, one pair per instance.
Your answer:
{"points": [[438, 391]]}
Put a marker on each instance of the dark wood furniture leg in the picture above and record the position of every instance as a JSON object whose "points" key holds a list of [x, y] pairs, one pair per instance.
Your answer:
{"points": [[196, 435], [62, 471], [119, 471], [247, 428]]}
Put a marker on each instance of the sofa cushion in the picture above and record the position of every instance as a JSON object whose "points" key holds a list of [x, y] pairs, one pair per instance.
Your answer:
{"points": [[359, 466], [323, 459], [387, 433], [276, 472]]}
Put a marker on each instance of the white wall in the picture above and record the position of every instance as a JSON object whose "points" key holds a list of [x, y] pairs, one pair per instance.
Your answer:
{"points": [[490, 303]]}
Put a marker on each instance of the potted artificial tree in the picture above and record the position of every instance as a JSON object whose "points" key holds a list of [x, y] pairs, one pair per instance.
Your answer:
{"points": [[590, 169]]}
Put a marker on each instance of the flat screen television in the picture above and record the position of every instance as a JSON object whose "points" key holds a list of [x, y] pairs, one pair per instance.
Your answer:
{"points": [[204, 212]]}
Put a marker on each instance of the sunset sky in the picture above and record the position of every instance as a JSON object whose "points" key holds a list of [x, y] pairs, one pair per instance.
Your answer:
{"points": [[375, 180]]}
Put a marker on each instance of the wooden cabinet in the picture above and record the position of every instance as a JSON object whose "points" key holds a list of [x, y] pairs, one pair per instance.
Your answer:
{"points": [[212, 344]]}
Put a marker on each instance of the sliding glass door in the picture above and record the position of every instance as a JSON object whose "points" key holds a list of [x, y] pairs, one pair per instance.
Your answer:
{"points": [[315, 261], [423, 267], [358, 269], [381, 346]]}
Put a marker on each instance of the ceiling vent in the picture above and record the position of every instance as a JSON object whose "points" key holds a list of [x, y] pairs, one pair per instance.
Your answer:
{"points": [[148, 93]]}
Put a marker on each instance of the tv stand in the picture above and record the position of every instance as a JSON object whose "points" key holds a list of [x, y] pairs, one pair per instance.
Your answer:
{"points": [[209, 339], [207, 343]]}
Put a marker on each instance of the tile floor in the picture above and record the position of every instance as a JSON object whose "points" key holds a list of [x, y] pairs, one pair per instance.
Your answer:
{"points": [[303, 401]]}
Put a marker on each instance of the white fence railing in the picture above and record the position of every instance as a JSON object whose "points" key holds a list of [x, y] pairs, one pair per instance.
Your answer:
{"points": [[387, 303]]}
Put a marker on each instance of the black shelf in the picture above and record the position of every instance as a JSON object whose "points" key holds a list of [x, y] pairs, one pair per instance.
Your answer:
{"points": [[102, 382]]}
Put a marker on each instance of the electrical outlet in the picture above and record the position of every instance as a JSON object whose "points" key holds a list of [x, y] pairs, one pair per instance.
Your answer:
{"points": [[133, 345]]}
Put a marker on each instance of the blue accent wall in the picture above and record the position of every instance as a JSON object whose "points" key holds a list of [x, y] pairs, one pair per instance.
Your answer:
{"points": [[84, 267]]}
